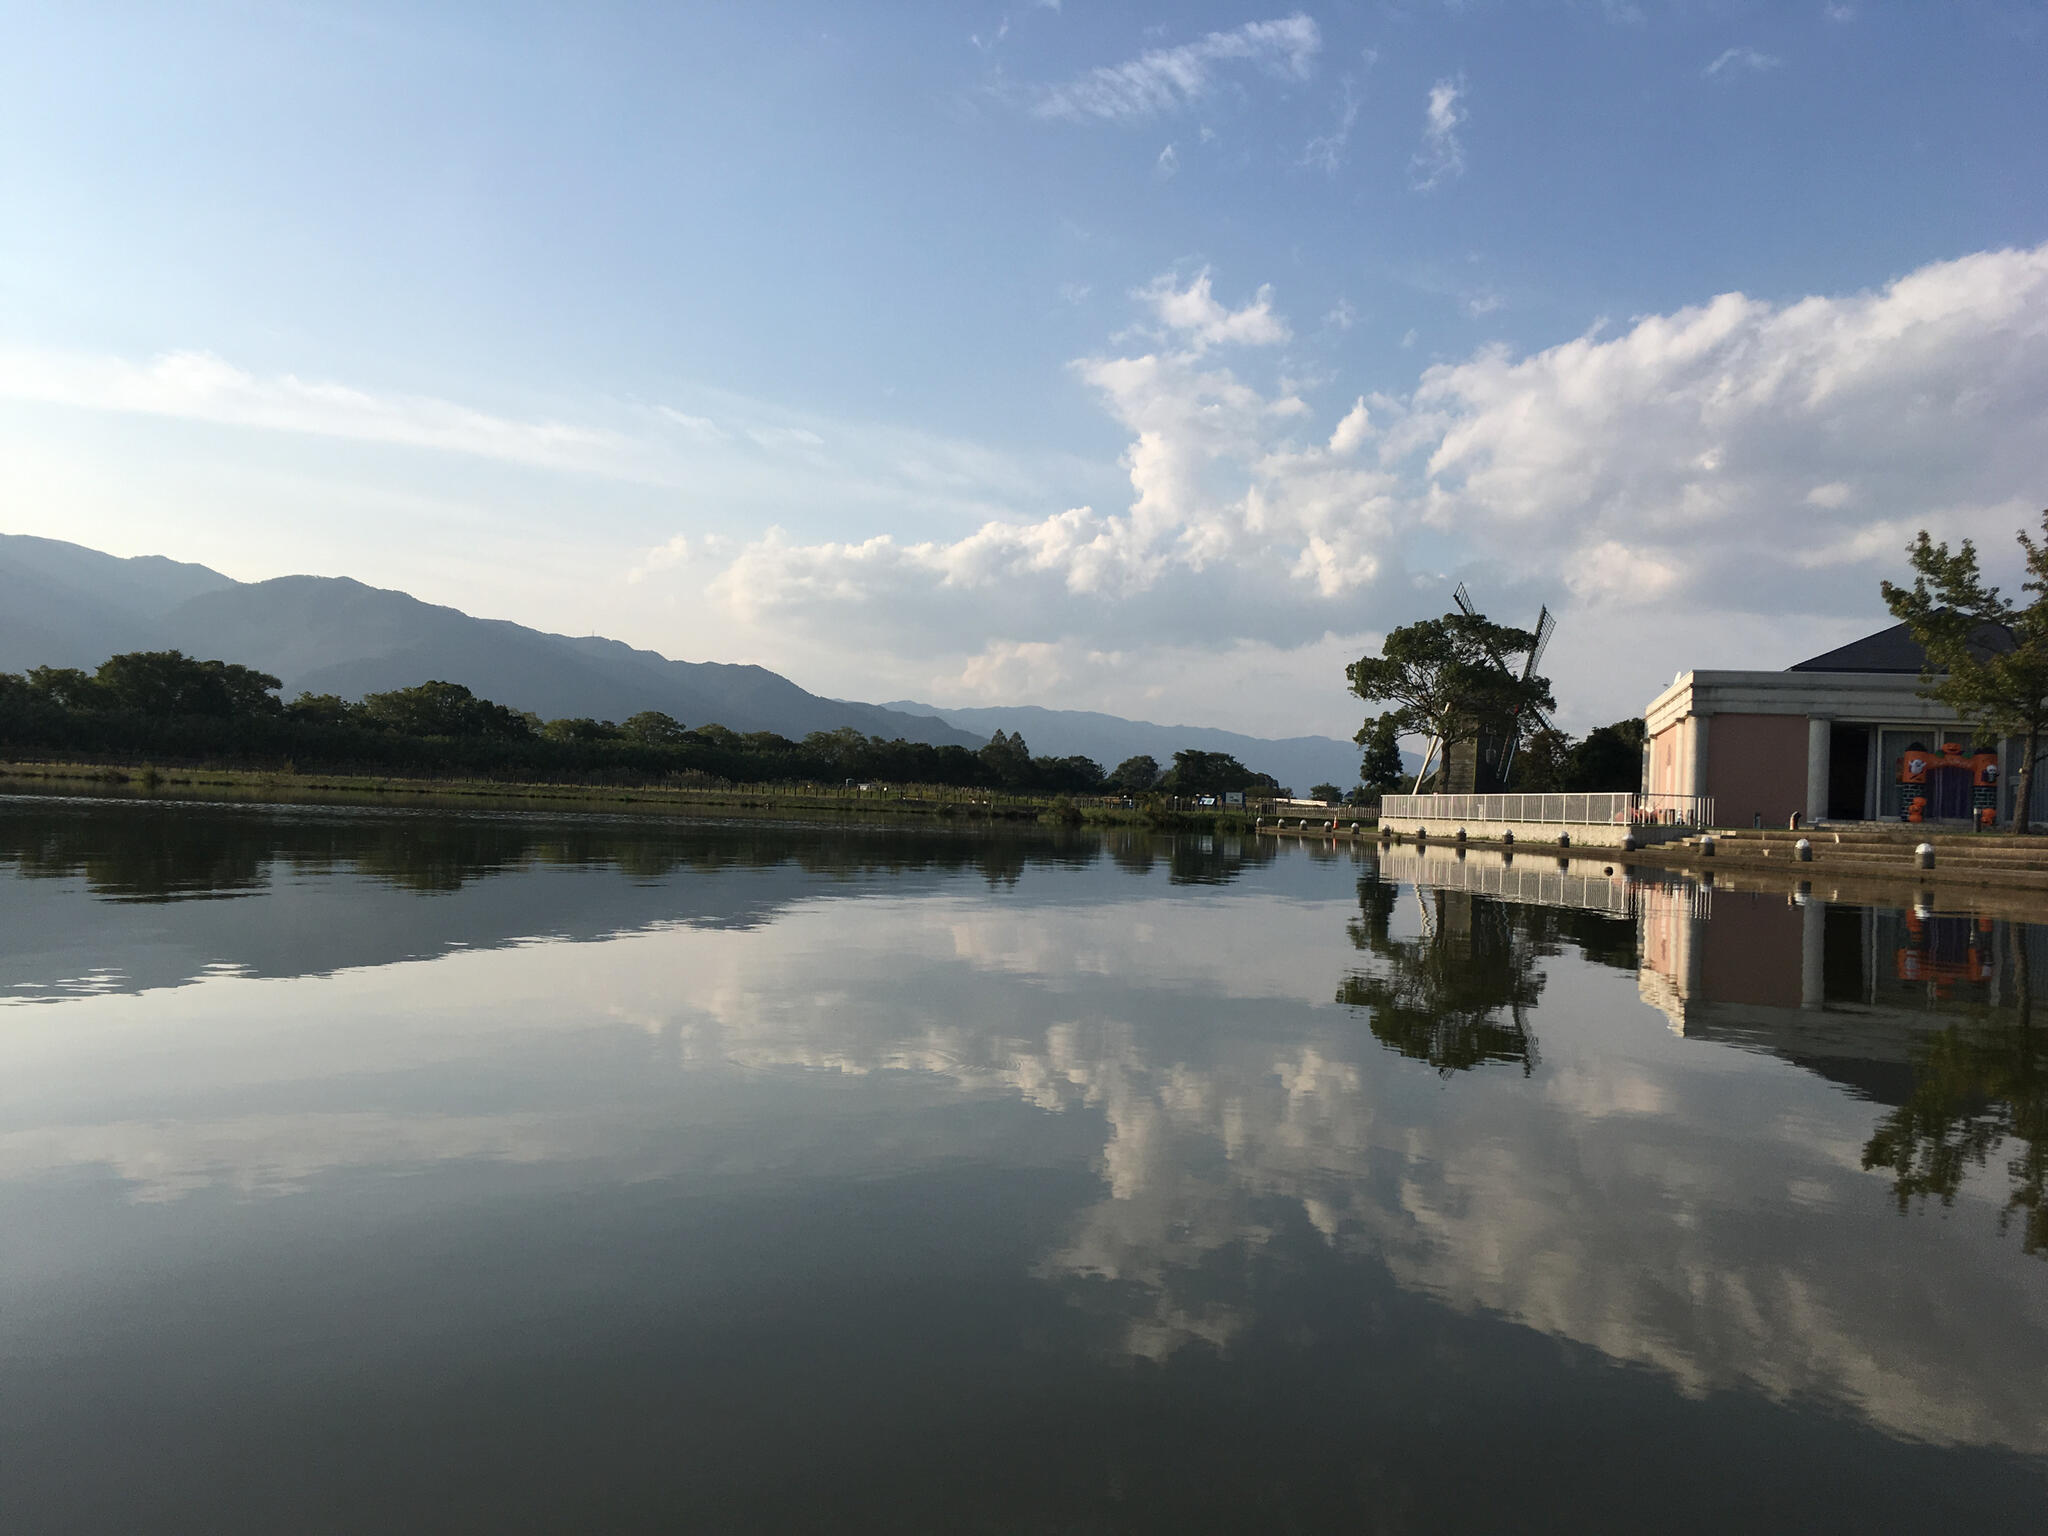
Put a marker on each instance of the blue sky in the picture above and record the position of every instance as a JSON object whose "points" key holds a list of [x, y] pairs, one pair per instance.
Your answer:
{"points": [[1146, 359]]}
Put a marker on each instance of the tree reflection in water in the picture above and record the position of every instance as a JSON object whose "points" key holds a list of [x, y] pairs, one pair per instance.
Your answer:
{"points": [[1978, 1085], [1439, 997]]}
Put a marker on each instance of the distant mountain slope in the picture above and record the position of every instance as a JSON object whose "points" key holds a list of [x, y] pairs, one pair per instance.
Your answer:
{"points": [[64, 605], [1296, 761]]}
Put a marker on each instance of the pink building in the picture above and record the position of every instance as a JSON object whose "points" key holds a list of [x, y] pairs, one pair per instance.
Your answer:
{"points": [[1843, 737]]}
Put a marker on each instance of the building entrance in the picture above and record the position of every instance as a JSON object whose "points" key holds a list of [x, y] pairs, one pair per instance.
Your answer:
{"points": [[1948, 793], [1848, 772]]}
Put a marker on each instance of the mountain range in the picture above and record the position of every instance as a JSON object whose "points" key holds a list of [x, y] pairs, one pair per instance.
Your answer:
{"points": [[65, 605], [1296, 761]]}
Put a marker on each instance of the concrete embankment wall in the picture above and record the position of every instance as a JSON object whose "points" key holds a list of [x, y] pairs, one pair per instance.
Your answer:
{"points": [[1582, 834]]}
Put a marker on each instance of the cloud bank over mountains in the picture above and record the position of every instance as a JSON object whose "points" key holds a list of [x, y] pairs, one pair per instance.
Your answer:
{"points": [[1740, 458], [1720, 485]]}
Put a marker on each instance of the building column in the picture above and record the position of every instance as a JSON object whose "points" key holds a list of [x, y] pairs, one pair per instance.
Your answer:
{"points": [[1819, 735], [1694, 776]]}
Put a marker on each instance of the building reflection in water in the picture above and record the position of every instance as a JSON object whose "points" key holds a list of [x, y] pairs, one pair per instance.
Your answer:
{"points": [[1928, 1013]]}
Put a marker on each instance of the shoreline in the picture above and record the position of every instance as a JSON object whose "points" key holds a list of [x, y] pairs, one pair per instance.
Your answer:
{"points": [[939, 804]]}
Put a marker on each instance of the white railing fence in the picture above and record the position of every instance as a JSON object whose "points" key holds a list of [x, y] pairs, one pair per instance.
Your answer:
{"points": [[1597, 808]]}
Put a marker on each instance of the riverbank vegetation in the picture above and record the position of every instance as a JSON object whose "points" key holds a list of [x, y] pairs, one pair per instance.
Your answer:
{"points": [[144, 717]]}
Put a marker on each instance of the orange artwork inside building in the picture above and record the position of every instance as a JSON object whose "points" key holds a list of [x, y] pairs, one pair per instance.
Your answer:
{"points": [[1948, 785]]}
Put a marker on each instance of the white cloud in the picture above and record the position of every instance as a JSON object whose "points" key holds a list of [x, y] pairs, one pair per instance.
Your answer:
{"points": [[1168, 79], [198, 386], [662, 557], [1479, 305], [1074, 293], [1354, 429], [779, 438], [701, 427], [1325, 152], [1441, 157], [1343, 315], [1734, 60], [1202, 322], [1167, 164], [1723, 484], [1748, 469]]}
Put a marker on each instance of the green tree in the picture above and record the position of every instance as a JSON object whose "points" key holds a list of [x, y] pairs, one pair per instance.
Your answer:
{"points": [[443, 709], [652, 728], [321, 709], [844, 750], [1075, 775], [582, 728], [1329, 794], [1008, 761], [1198, 773], [1987, 656], [66, 688], [1135, 775], [170, 683], [1547, 760], [1382, 768], [1611, 757], [1447, 680]]}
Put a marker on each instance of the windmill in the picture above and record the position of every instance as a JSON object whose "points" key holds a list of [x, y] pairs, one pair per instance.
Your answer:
{"points": [[1523, 721]]}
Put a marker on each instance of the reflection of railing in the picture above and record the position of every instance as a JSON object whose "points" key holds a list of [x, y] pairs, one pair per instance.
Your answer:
{"points": [[1533, 882], [1594, 808]]}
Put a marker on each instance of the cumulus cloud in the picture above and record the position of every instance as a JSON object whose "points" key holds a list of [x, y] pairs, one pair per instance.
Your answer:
{"points": [[1167, 164], [1750, 469], [1167, 79], [1441, 157], [1713, 450], [1201, 321]]}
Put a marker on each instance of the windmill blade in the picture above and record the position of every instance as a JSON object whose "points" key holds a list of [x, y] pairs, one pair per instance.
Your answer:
{"points": [[1464, 600], [1546, 626]]}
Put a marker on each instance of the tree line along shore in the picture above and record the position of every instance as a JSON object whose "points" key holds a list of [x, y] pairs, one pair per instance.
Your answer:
{"points": [[170, 715]]}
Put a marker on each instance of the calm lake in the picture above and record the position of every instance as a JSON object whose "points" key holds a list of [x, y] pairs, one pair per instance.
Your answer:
{"points": [[382, 1171]]}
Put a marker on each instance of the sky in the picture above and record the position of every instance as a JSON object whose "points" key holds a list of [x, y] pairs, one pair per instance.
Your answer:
{"points": [[1151, 359]]}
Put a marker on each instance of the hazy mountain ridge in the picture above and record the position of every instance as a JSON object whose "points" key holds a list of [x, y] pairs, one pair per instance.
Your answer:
{"points": [[65, 605], [1296, 761]]}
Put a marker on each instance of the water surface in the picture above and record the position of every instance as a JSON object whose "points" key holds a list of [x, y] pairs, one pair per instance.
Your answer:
{"points": [[398, 1172]]}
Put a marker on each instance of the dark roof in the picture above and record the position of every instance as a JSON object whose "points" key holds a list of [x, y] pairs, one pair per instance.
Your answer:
{"points": [[1895, 650]]}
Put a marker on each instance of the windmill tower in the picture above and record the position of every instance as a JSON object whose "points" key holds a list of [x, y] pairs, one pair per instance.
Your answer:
{"points": [[1482, 765]]}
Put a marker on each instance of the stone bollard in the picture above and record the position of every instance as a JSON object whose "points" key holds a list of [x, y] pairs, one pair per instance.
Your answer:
{"points": [[1629, 843], [1803, 851], [1707, 846], [1923, 856]]}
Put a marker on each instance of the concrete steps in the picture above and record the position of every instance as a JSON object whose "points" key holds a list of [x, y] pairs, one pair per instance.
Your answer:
{"points": [[1886, 849]]}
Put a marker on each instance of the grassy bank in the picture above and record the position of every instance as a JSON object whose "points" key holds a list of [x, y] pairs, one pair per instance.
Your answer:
{"points": [[810, 802]]}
